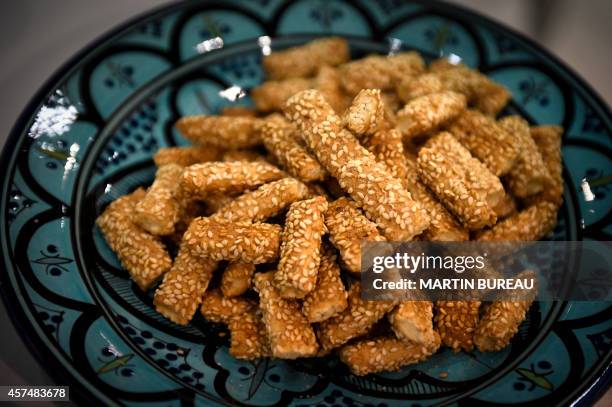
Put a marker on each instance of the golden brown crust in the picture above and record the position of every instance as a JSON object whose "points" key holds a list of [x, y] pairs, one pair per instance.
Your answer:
{"points": [[329, 296], [233, 241], [220, 131], [159, 210], [532, 223], [143, 255], [300, 248], [181, 291], [425, 114], [289, 333], [456, 322], [236, 278], [186, 156], [305, 60], [384, 354]]}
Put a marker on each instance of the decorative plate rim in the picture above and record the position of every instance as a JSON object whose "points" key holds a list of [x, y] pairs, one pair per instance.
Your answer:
{"points": [[589, 391]]}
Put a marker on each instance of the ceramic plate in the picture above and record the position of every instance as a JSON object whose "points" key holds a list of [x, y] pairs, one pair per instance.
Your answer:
{"points": [[88, 137]]}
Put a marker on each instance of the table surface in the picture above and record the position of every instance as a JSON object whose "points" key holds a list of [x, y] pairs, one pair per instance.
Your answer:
{"points": [[41, 35]]}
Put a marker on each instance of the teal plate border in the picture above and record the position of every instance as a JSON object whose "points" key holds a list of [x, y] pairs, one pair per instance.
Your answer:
{"points": [[88, 136]]}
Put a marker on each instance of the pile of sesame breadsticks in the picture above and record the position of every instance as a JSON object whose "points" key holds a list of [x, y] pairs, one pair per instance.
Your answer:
{"points": [[276, 200]]}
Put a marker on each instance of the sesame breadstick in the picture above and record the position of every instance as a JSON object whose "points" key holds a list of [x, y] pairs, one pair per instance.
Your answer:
{"points": [[529, 175], [242, 155], [328, 82], [143, 255], [548, 141], [159, 210], [220, 131], [443, 227], [387, 147], [233, 241], [248, 339], [501, 320], [400, 217], [186, 156], [265, 202], [458, 180], [305, 60], [238, 111], [488, 96], [366, 114], [280, 139], [180, 293], [236, 278], [270, 95], [300, 249], [425, 84], [381, 196], [532, 223], [329, 297], [379, 71], [427, 113], [289, 333], [348, 227], [219, 309], [202, 180], [354, 321], [384, 354], [412, 321], [455, 322], [486, 140]]}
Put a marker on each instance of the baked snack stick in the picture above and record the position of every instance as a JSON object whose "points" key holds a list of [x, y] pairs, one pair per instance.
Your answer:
{"points": [[456, 322], [354, 321], [487, 140], [501, 320], [270, 95], [289, 333], [475, 174], [220, 131], [247, 242], [298, 266], [366, 114], [379, 71], [280, 139], [529, 175], [219, 309], [202, 180], [236, 278], [348, 227], [382, 196], [304, 60], [426, 114], [443, 227], [412, 322], [486, 95], [387, 147], [548, 141], [457, 180], [248, 339], [181, 291], [265, 202], [186, 156], [328, 82], [385, 354], [143, 255], [532, 223], [159, 210], [329, 296]]}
